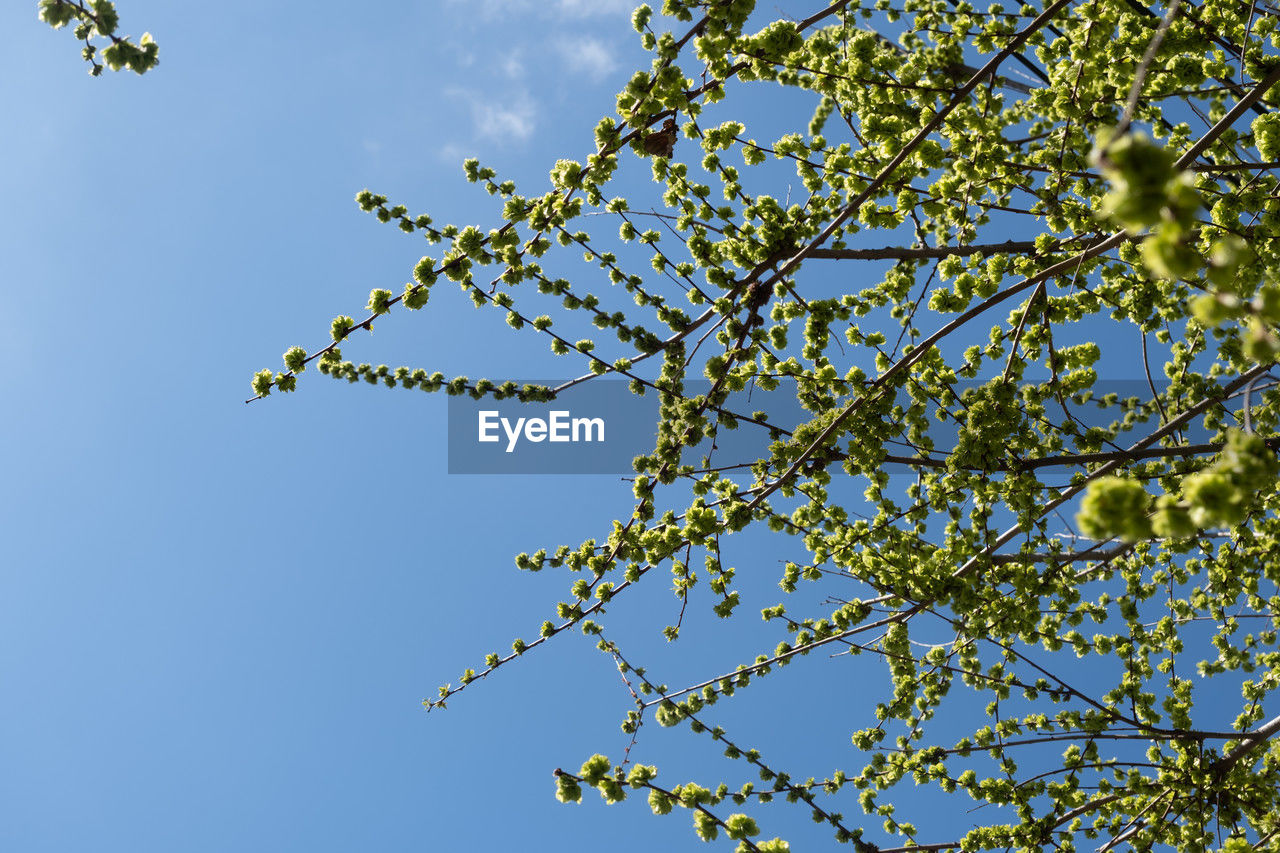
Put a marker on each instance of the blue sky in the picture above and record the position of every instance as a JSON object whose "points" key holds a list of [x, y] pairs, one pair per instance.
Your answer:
{"points": [[218, 621]]}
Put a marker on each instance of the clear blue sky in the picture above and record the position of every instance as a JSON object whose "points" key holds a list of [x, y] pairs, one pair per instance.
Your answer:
{"points": [[218, 621]]}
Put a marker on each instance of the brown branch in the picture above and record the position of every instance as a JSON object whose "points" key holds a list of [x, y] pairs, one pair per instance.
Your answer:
{"points": [[1079, 458], [1250, 742], [1074, 556], [1242, 106], [914, 252]]}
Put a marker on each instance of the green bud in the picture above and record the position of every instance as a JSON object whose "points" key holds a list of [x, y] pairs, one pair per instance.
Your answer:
{"points": [[1213, 309], [594, 769], [1115, 506], [115, 55], [295, 359], [424, 272], [1171, 519], [415, 296], [1146, 188], [660, 802], [640, 774], [262, 381], [1260, 344], [705, 826], [379, 301], [1168, 254], [567, 789], [1214, 499], [56, 14], [1266, 136], [740, 826], [341, 327], [107, 19], [1267, 303]]}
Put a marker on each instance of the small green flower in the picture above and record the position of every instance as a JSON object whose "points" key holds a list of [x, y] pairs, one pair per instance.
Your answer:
{"points": [[705, 826], [594, 769], [740, 826], [567, 789], [1115, 506], [660, 802], [341, 327], [1171, 519], [379, 301], [1214, 498], [262, 382], [295, 359]]}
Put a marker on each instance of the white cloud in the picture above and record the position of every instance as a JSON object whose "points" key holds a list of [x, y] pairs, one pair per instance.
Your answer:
{"points": [[507, 9], [512, 120], [587, 8], [491, 10], [588, 55], [452, 152], [512, 66], [504, 122]]}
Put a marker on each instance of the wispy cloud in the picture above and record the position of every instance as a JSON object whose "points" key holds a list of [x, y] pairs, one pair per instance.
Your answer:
{"points": [[514, 121], [506, 9], [491, 10], [452, 152], [513, 66], [589, 8], [588, 55]]}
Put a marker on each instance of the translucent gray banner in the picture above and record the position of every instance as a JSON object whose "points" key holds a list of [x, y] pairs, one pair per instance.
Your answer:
{"points": [[599, 427]]}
